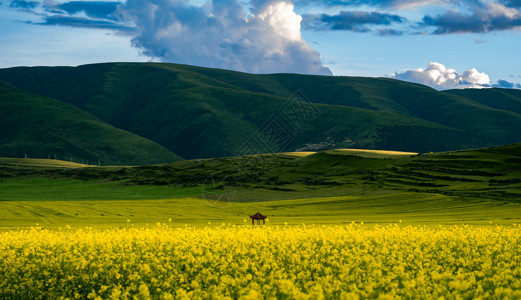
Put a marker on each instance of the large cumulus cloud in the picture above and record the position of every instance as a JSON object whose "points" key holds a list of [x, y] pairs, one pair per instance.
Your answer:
{"points": [[222, 34], [261, 37]]}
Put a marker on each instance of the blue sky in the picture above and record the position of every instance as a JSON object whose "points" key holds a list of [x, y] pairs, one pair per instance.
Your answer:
{"points": [[441, 43]]}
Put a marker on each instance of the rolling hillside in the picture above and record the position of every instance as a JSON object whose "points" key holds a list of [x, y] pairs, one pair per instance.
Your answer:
{"points": [[198, 112], [43, 127], [486, 174], [501, 99]]}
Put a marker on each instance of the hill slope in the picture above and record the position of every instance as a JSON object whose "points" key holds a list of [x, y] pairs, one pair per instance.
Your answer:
{"points": [[486, 174], [199, 112], [38, 126], [501, 99]]}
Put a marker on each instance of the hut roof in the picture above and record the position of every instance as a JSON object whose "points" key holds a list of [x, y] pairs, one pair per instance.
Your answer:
{"points": [[258, 215]]}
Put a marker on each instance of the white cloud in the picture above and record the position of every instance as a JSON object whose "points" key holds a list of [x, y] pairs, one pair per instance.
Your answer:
{"points": [[222, 34], [439, 77], [474, 77]]}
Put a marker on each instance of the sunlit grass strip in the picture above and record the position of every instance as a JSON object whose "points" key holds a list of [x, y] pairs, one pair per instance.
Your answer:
{"points": [[299, 154], [38, 162], [367, 151], [252, 262]]}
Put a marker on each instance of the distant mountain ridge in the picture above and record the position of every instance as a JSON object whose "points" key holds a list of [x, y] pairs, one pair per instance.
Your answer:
{"points": [[194, 112]]}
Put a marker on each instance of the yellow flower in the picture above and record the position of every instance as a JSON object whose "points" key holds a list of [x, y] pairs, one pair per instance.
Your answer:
{"points": [[351, 261]]}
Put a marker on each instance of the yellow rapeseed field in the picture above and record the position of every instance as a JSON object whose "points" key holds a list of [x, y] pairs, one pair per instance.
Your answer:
{"points": [[255, 262]]}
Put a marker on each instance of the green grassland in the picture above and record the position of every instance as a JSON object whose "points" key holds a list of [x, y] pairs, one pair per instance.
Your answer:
{"points": [[406, 208], [336, 186]]}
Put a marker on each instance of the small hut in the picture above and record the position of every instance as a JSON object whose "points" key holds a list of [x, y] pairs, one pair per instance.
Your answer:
{"points": [[258, 216]]}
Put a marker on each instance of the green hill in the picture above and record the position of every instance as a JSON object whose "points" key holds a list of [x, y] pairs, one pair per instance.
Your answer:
{"points": [[42, 127], [487, 174], [199, 112], [501, 99]]}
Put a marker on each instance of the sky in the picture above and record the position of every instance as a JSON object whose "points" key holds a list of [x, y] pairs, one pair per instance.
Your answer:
{"points": [[441, 43]]}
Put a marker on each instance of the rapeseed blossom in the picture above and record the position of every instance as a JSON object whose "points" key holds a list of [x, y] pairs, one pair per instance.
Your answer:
{"points": [[250, 262]]}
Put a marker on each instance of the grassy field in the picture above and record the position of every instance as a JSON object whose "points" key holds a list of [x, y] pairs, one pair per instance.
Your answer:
{"points": [[45, 189], [337, 186], [407, 208]]}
